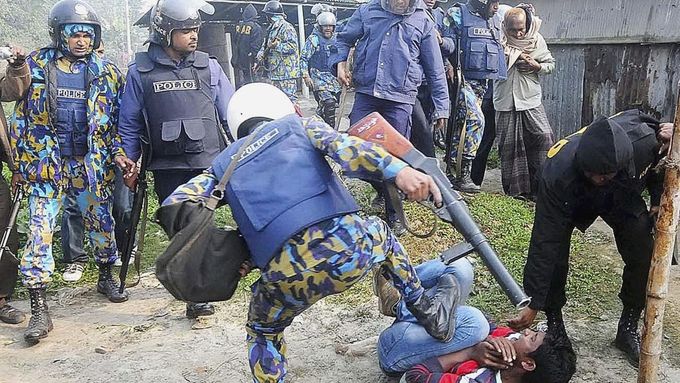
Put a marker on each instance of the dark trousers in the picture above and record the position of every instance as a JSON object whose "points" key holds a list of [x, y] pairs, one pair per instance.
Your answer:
{"points": [[72, 229], [9, 266], [398, 115], [166, 181], [485, 146], [422, 134], [243, 77], [632, 228]]}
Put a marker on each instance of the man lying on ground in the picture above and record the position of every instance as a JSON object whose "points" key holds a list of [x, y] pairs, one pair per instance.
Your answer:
{"points": [[479, 352]]}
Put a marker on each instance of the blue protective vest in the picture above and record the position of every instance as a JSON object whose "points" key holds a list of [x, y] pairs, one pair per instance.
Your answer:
{"points": [[281, 186], [70, 118], [321, 58], [482, 53], [183, 123]]}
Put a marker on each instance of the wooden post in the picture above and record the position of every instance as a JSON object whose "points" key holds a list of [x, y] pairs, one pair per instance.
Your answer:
{"points": [[659, 272]]}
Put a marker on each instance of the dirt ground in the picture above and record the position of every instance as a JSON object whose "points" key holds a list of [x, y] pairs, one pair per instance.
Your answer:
{"points": [[148, 339]]}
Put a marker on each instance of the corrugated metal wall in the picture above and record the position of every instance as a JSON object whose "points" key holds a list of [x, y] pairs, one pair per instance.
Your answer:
{"points": [[599, 80], [609, 21]]}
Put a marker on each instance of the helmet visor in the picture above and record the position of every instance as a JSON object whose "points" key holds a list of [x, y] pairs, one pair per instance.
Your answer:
{"points": [[181, 10], [399, 7]]}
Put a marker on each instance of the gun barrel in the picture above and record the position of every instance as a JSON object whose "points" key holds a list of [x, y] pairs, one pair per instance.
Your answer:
{"points": [[467, 227], [16, 204]]}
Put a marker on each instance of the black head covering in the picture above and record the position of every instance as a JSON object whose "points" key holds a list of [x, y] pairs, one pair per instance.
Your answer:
{"points": [[605, 148]]}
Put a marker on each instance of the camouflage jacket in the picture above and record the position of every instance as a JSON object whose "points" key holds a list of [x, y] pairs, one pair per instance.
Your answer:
{"points": [[283, 60], [33, 138]]}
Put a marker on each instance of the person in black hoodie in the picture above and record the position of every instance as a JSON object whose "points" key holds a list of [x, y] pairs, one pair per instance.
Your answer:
{"points": [[248, 41], [601, 170]]}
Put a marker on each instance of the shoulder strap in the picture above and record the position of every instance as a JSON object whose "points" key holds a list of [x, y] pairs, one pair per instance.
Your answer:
{"points": [[218, 193]]}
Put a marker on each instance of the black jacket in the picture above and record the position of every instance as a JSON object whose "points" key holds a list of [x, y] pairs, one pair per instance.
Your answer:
{"points": [[625, 143], [248, 39]]}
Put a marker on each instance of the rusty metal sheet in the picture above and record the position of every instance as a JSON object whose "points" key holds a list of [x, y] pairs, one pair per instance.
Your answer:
{"points": [[590, 81], [563, 90], [609, 21]]}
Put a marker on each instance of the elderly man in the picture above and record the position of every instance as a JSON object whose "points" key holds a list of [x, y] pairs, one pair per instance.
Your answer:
{"points": [[524, 131]]}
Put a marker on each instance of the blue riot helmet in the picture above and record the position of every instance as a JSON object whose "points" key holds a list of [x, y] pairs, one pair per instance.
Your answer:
{"points": [[170, 15], [73, 12], [399, 7]]}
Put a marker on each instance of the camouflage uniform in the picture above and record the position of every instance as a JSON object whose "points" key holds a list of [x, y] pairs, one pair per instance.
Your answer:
{"points": [[50, 176], [470, 97], [283, 61], [325, 83], [324, 259]]}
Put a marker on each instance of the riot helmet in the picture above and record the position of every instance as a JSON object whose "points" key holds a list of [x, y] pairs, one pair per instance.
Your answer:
{"points": [[482, 7], [170, 15], [326, 19], [273, 7], [245, 110], [73, 12], [399, 7]]}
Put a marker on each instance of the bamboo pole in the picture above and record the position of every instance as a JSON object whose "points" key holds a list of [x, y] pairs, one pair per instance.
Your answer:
{"points": [[659, 272]]}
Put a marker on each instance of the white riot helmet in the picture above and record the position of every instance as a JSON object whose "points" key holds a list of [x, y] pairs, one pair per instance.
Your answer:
{"points": [[326, 19], [254, 103]]}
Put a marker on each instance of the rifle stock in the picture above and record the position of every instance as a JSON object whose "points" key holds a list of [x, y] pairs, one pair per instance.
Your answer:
{"points": [[16, 204], [135, 216], [376, 129]]}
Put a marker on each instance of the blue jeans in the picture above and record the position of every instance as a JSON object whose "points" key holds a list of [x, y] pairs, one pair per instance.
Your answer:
{"points": [[406, 343], [398, 115], [72, 222]]}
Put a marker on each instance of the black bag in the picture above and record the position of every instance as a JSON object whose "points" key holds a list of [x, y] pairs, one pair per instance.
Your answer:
{"points": [[202, 261]]}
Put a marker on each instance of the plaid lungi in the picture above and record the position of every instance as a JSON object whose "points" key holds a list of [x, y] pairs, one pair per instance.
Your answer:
{"points": [[524, 140]]}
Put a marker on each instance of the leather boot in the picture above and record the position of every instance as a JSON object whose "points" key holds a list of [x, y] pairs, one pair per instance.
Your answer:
{"points": [[9, 314], [435, 309], [627, 336], [107, 285], [556, 324], [464, 181], [40, 323], [195, 310], [388, 296]]}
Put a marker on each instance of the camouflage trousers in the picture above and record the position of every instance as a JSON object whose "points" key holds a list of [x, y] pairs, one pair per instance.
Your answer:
{"points": [[321, 261], [289, 87], [37, 262], [470, 110]]}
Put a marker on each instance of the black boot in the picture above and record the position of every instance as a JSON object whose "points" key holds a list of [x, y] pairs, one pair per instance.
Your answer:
{"points": [[9, 314], [435, 309], [40, 323], [195, 310], [556, 324], [627, 337], [107, 286], [464, 182]]}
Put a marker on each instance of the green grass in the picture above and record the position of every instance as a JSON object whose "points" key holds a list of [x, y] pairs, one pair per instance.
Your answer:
{"points": [[593, 279]]}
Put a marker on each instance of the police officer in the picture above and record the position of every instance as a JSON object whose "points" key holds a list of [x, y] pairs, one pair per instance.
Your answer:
{"points": [[482, 59], [64, 137], [180, 95], [14, 80], [248, 42], [279, 55], [396, 46], [601, 170], [316, 69], [422, 134], [306, 236]]}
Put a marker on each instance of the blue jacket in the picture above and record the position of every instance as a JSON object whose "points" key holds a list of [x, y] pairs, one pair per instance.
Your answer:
{"points": [[269, 216], [392, 53], [131, 125]]}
